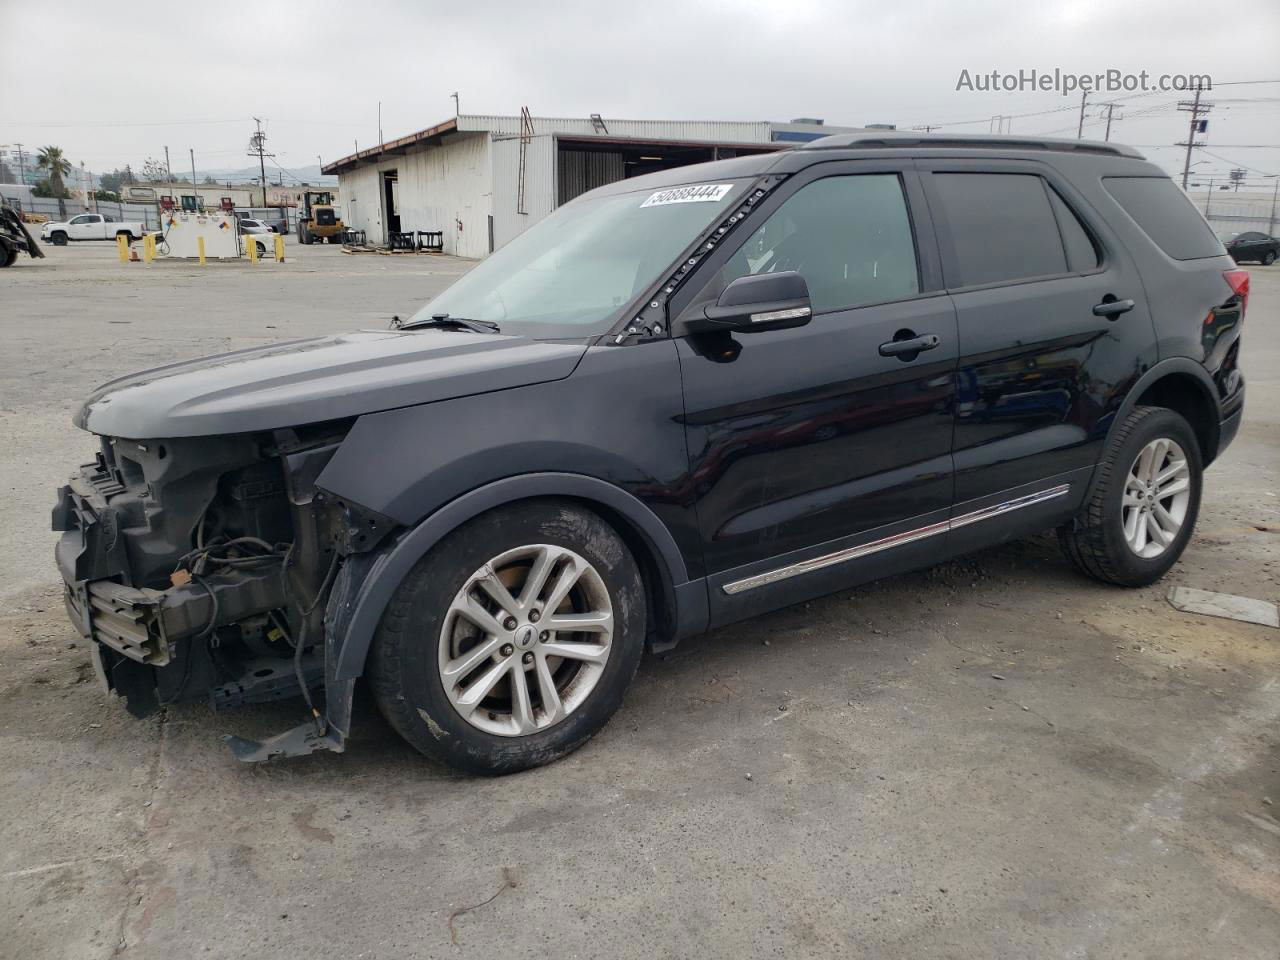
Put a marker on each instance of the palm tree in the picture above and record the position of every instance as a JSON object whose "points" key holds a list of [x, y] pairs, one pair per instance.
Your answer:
{"points": [[52, 160]]}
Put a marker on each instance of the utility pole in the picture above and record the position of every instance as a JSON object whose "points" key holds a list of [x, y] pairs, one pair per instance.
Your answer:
{"points": [[380, 140], [192, 151], [22, 166], [1208, 199], [1271, 222], [1111, 109], [167, 169], [1084, 98], [258, 146], [1236, 176], [1197, 109], [926, 127]]}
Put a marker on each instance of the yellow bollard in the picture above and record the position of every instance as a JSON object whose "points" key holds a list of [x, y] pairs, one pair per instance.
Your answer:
{"points": [[122, 244], [251, 247], [279, 248], [149, 247], [200, 249]]}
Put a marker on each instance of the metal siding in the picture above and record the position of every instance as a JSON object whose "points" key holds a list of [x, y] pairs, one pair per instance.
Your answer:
{"points": [[361, 201], [539, 185], [579, 171], [448, 188], [437, 188]]}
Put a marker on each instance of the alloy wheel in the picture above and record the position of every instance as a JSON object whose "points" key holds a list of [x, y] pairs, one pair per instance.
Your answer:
{"points": [[526, 640], [1157, 491]]}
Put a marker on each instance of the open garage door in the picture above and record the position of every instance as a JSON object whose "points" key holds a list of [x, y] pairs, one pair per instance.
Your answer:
{"points": [[583, 165]]}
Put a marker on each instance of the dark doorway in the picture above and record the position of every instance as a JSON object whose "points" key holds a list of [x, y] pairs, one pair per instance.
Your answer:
{"points": [[583, 165], [390, 189]]}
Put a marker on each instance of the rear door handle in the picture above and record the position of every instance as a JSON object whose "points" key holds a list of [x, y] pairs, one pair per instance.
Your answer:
{"points": [[1112, 308], [895, 348]]}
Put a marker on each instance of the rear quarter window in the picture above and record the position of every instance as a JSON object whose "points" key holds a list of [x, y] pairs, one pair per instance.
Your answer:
{"points": [[1166, 216]]}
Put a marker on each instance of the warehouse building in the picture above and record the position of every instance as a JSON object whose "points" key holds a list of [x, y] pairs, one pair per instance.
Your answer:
{"points": [[481, 180]]}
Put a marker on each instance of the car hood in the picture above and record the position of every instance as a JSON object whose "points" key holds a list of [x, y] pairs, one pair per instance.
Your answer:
{"points": [[323, 378]]}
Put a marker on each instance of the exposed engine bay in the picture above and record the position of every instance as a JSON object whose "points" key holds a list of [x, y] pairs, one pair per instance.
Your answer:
{"points": [[199, 567]]}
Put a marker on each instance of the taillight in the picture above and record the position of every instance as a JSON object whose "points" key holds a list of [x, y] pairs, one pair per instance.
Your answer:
{"points": [[1238, 281]]}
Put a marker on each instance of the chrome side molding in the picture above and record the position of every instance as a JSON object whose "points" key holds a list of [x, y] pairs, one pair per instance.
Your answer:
{"points": [[897, 540]]}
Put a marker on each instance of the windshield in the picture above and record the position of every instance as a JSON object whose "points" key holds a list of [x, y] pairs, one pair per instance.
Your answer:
{"points": [[569, 275]]}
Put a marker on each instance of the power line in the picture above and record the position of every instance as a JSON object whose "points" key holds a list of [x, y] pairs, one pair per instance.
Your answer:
{"points": [[1236, 163]]}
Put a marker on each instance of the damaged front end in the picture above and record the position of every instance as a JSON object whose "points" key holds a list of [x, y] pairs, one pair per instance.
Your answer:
{"points": [[199, 568]]}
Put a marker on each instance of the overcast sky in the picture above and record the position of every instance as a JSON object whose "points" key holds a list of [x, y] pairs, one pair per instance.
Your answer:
{"points": [[115, 83]]}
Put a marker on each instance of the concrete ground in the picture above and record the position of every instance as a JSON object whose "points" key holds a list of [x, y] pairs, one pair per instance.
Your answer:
{"points": [[994, 758]]}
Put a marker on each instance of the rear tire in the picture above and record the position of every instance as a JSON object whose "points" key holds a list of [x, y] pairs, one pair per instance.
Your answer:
{"points": [[1268, 258], [487, 682], [1130, 532]]}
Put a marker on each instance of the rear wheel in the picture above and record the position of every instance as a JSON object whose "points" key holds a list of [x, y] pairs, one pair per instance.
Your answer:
{"points": [[1268, 258], [128, 236], [512, 642], [1143, 509]]}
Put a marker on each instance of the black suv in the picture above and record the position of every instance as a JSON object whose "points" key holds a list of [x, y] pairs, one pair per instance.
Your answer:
{"points": [[1254, 246], [681, 400]]}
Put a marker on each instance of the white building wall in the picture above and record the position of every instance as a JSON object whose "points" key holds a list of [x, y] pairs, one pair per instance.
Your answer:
{"points": [[448, 188], [539, 185], [445, 188], [362, 201]]}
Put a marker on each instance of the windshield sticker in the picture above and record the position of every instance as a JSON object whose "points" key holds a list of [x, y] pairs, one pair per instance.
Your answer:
{"points": [[693, 193]]}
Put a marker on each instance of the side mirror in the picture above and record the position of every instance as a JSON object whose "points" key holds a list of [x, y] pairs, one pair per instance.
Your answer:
{"points": [[768, 301]]}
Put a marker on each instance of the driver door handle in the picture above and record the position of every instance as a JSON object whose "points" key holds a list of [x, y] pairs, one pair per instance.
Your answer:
{"points": [[896, 348]]}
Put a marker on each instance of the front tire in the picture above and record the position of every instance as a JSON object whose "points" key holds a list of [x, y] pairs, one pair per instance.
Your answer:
{"points": [[513, 641], [59, 239], [1144, 506]]}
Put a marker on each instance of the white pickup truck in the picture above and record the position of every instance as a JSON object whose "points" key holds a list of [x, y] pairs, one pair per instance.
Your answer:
{"points": [[90, 226]]}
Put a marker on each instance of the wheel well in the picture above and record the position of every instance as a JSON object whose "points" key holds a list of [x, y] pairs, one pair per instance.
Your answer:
{"points": [[1185, 395], [659, 597], [659, 594]]}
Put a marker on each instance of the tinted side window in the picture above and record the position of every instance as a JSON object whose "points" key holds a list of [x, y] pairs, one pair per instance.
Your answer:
{"points": [[1165, 215], [849, 237], [1001, 227], [1082, 254]]}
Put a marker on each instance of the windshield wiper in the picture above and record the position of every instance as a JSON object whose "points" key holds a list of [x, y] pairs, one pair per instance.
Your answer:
{"points": [[444, 320]]}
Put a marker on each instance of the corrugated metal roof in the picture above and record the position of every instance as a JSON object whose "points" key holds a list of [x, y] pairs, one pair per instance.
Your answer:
{"points": [[727, 132], [704, 130]]}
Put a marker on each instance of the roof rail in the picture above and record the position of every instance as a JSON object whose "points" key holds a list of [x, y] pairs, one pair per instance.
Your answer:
{"points": [[892, 141]]}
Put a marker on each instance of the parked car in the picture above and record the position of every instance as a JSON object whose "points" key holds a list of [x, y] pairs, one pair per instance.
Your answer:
{"points": [[91, 226], [264, 244], [248, 225], [1258, 247], [681, 400]]}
